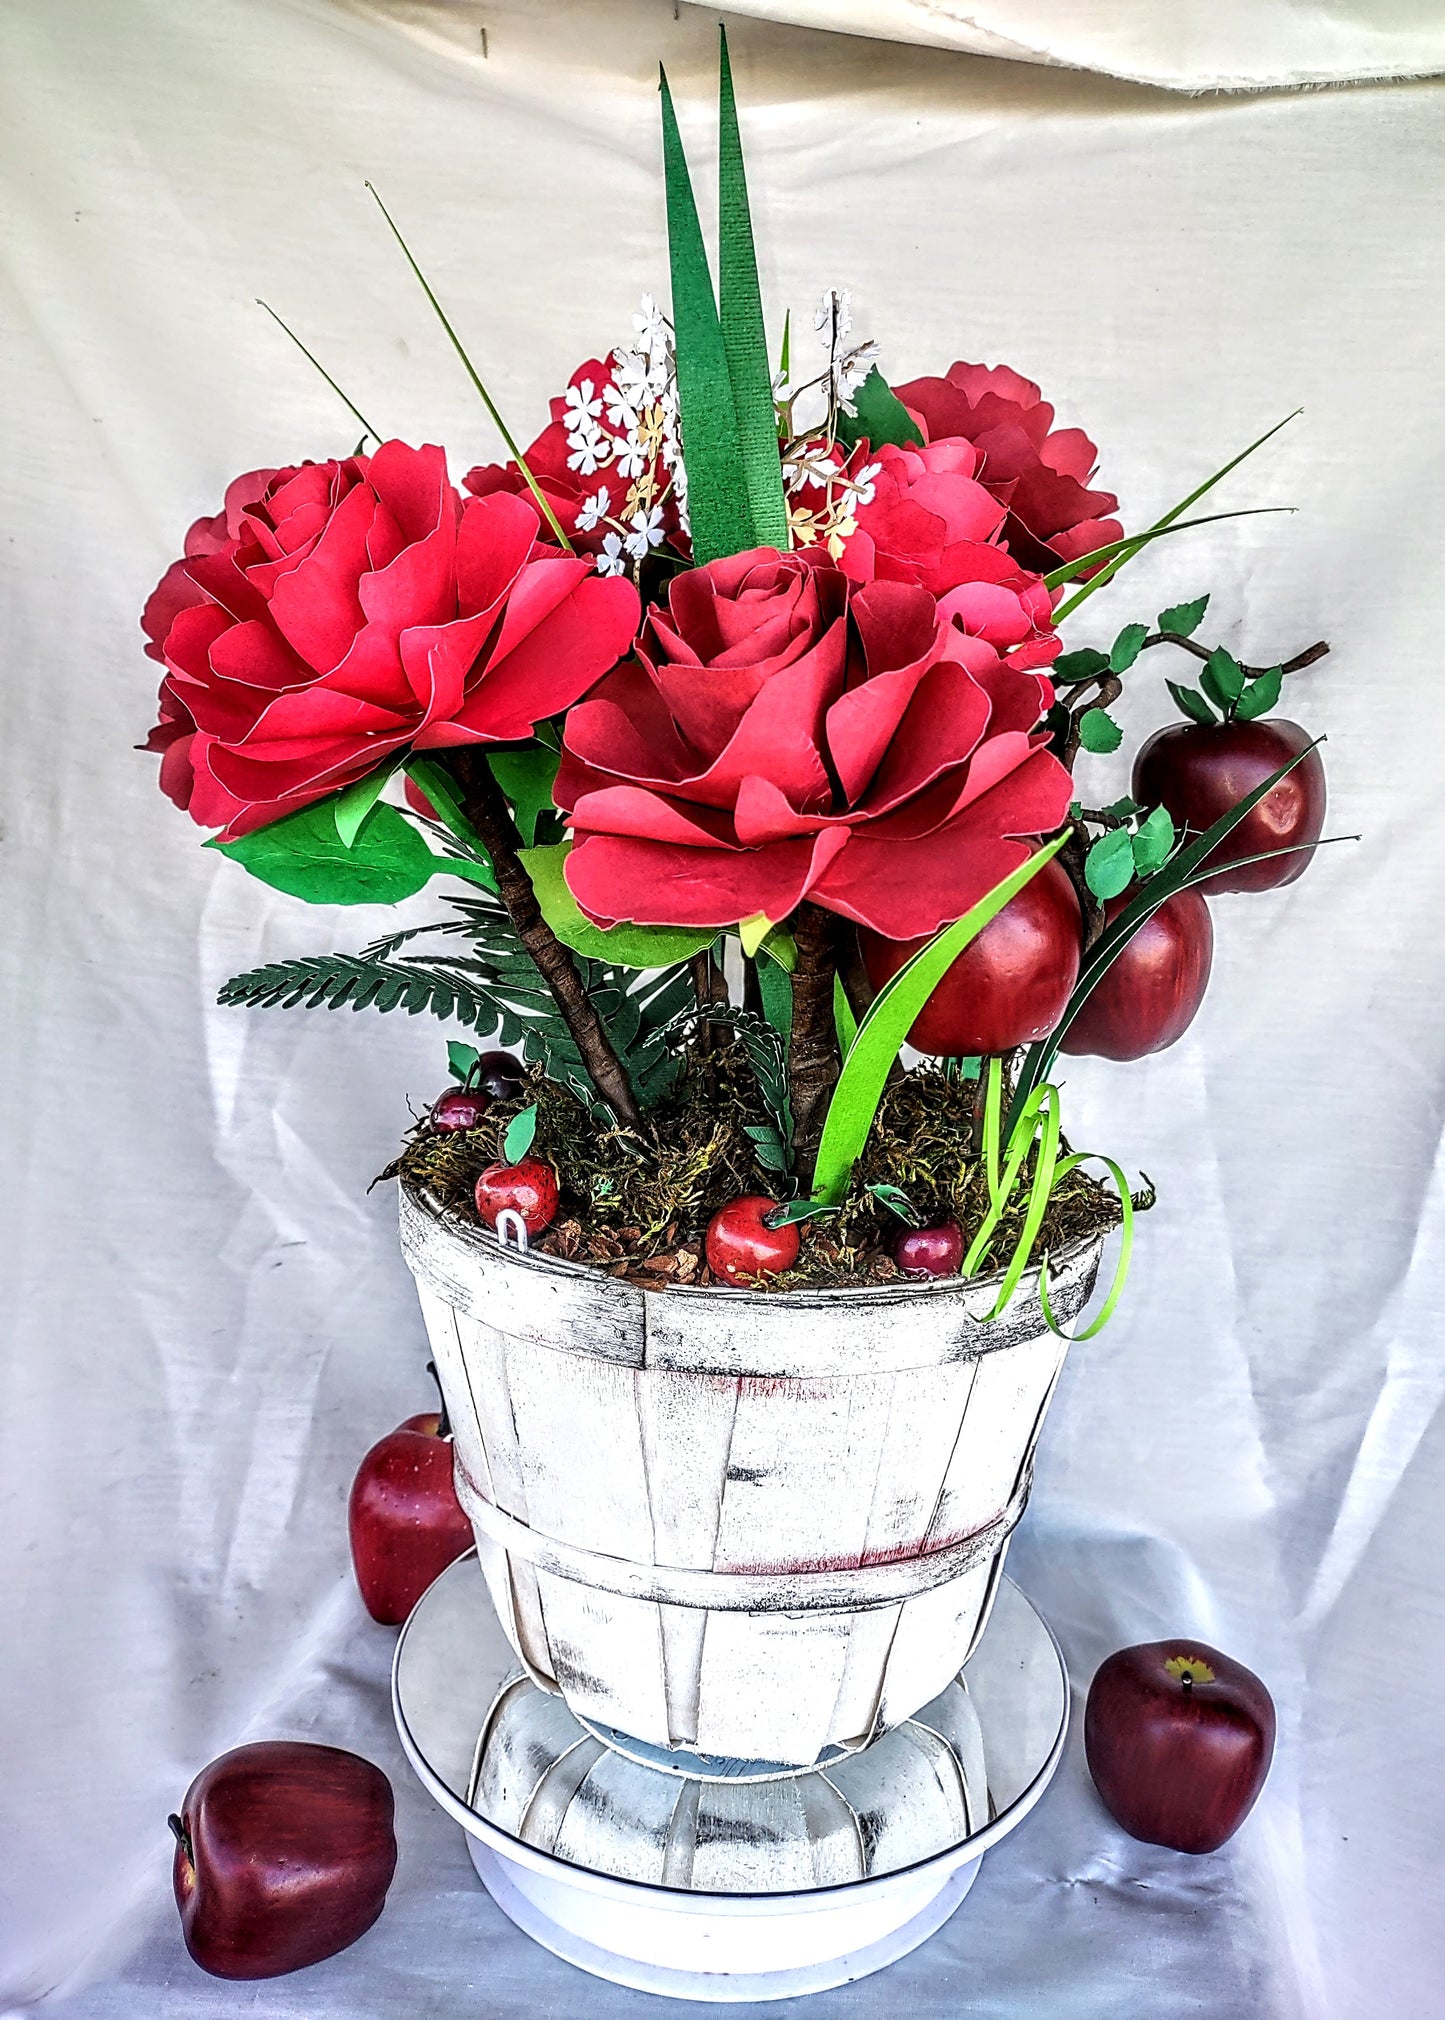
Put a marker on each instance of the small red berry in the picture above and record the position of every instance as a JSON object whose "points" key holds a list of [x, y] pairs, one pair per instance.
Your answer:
{"points": [[459, 1108], [528, 1188], [929, 1251], [500, 1074], [740, 1245]]}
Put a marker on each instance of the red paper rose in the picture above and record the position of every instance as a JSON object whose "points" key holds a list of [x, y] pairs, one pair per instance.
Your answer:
{"points": [[1038, 471], [336, 612], [784, 735], [929, 521]]}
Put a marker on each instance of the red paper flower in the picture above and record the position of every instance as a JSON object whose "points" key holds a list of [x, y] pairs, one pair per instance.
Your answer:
{"points": [[337, 612], [784, 735], [1038, 471], [929, 521]]}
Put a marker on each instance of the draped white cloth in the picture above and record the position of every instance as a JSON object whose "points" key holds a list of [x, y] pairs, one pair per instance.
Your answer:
{"points": [[206, 1317]]}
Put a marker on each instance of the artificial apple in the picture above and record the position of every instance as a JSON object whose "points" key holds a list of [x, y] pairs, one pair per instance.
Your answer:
{"points": [[1199, 771], [929, 1251], [741, 1245], [405, 1522], [1178, 1739], [500, 1074], [1148, 995], [1009, 986], [528, 1188], [284, 1853]]}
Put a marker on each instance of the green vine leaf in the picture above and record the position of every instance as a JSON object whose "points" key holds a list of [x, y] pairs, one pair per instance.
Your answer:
{"points": [[1153, 839], [1109, 865], [1182, 620], [1127, 647], [1099, 732], [1072, 667], [1260, 696], [1191, 702]]}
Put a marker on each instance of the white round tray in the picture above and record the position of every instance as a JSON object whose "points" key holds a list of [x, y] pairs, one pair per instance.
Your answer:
{"points": [[450, 1659]]}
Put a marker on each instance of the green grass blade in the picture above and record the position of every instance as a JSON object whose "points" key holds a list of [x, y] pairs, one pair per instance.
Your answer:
{"points": [[471, 371], [1108, 574], [890, 1018], [717, 494], [1126, 1249], [316, 362], [745, 342], [1134, 543]]}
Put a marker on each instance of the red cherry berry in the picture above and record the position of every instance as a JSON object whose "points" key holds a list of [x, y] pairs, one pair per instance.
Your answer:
{"points": [[929, 1251], [459, 1108], [740, 1246], [500, 1074], [528, 1188]]}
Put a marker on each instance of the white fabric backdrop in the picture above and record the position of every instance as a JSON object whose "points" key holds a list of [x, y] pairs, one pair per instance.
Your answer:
{"points": [[206, 1317]]}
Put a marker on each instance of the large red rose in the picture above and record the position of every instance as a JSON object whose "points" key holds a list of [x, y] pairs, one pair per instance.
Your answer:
{"points": [[928, 521], [337, 612], [1039, 472], [783, 734]]}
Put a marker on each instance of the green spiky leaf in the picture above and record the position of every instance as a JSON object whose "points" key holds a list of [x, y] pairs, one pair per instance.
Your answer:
{"points": [[1182, 620], [878, 416], [1098, 731], [1127, 647], [1191, 702], [1260, 696], [1222, 679], [745, 342], [1109, 865], [1153, 839]]}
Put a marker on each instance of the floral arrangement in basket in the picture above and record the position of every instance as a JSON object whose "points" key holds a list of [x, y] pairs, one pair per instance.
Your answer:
{"points": [[736, 708]]}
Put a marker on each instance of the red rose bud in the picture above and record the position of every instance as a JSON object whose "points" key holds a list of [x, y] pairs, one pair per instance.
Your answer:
{"points": [[741, 1245], [783, 735], [356, 608], [528, 1188], [1037, 471]]}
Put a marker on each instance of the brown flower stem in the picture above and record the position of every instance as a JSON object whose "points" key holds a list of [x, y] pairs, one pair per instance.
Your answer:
{"points": [[1110, 688], [813, 1062], [1091, 913], [851, 972], [486, 808], [1296, 665]]}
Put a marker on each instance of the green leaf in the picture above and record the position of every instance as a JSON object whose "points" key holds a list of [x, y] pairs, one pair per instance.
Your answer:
{"points": [[1153, 839], [794, 1210], [888, 1023], [1182, 620], [780, 946], [897, 1201], [1127, 647], [717, 492], [1117, 552], [768, 1146], [1084, 664], [1099, 732], [351, 807], [878, 416], [1191, 703], [440, 788], [844, 1022], [1222, 678], [1260, 696], [521, 1131], [744, 338], [1109, 865], [775, 986], [304, 856], [462, 1060], [753, 930], [525, 775], [1124, 809], [627, 946]]}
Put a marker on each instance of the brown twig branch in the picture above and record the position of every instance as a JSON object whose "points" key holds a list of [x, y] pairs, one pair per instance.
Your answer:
{"points": [[813, 1062], [485, 806], [1110, 687], [1296, 665]]}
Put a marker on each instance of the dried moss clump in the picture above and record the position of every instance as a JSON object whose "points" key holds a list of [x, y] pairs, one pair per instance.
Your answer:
{"points": [[641, 1212]]}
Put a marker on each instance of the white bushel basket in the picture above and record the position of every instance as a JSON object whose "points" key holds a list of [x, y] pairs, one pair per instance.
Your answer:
{"points": [[749, 1524]]}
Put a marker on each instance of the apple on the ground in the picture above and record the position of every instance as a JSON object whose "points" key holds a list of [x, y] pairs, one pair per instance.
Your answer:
{"points": [[1179, 1740], [284, 1853]]}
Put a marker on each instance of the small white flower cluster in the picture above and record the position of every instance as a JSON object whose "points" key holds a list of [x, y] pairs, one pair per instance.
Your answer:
{"points": [[812, 459], [629, 428]]}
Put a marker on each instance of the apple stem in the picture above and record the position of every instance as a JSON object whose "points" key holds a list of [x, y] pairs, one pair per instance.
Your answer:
{"points": [[182, 1836], [444, 1422], [1186, 1682]]}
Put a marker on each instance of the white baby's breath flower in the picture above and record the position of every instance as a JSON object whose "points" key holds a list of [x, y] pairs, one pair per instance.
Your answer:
{"points": [[582, 405], [833, 318], [652, 327], [853, 369], [594, 509], [865, 485], [632, 458], [646, 533], [590, 450], [611, 561]]}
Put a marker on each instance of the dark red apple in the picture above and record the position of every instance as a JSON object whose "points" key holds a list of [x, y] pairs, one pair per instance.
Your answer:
{"points": [[459, 1108], [405, 1522], [1178, 1739], [929, 1251], [1007, 987], [741, 1245], [1199, 772], [1148, 996], [500, 1074], [284, 1853], [528, 1188]]}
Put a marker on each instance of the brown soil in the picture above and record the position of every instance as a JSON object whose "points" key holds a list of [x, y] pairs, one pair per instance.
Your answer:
{"points": [[641, 1211]]}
